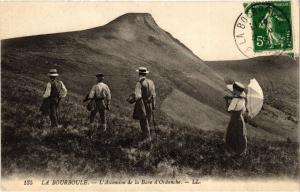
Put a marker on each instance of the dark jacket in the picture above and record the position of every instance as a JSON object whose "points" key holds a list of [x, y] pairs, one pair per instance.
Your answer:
{"points": [[139, 111]]}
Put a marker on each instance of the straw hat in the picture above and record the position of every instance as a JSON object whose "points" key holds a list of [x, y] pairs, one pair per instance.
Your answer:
{"points": [[142, 70], [53, 73], [238, 86]]}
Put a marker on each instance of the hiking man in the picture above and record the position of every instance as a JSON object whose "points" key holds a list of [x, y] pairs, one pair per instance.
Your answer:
{"points": [[145, 100], [55, 90], [101, 96]]}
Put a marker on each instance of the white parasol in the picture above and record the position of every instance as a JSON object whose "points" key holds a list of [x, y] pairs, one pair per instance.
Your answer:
{"points": [[255, 98]]}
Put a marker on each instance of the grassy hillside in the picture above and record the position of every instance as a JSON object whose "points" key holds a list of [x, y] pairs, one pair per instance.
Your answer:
{"points": [[278, 75], [189, 97], [279, 78], [30, 146], [115, 49]]}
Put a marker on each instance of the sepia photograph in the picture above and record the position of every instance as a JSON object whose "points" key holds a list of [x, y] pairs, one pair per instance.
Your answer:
{"points": [[163, 95]]}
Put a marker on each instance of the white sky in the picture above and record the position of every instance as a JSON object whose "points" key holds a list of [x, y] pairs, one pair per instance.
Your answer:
{"points": [[205, 27]]}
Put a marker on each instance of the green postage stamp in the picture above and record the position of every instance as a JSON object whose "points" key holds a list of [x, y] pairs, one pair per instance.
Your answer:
{"points": [[269, 25]]}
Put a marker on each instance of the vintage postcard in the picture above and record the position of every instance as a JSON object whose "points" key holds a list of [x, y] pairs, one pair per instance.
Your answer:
{"points": [[149, 96]]}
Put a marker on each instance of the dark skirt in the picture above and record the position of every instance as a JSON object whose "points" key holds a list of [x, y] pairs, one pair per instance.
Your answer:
{"points": [[236, 139]]}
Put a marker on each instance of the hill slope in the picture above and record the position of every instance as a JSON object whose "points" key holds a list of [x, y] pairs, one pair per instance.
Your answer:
{"points": [[116, 49], [189, 95], [279, 77]]}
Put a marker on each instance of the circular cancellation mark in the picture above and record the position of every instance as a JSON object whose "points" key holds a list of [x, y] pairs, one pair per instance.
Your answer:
{"points": [[264, 29]]}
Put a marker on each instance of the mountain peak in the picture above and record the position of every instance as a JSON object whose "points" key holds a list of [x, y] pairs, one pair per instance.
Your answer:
{"points": [[135, 19]]}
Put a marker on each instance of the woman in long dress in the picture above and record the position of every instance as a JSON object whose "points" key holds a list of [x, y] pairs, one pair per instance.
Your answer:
{"points": [[236, 139]]}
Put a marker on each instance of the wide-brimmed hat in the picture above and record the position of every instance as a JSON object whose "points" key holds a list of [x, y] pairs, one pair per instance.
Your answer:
{"points": [[238, 86], [53, 73], [142, 70], [99, 75]]}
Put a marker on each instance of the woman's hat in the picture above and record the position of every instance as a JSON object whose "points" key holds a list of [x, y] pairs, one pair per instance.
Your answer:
{"points": [[142, 70], [53, 73], [238, 86]]}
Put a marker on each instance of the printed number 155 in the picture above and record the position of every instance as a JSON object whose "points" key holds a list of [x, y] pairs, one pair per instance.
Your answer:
{"points": [[28, 182]]}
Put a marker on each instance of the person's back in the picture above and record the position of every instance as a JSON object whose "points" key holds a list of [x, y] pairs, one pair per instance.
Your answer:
{"points": [[102, 91], [145, 102], [56, 88], [101, 96], [147, 89]]}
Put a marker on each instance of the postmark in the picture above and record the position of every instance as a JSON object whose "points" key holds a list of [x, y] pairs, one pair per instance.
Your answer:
{"points": [[264, 29]]}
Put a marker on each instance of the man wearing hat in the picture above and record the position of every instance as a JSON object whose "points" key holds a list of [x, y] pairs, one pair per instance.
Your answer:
{"points": [[145, 92], [55, 90], [102, 96]]}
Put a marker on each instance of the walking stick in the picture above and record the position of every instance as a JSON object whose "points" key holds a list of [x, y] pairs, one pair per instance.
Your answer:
{"points": [[153, 119], [154, 123], [107, 120], [57, 111]]}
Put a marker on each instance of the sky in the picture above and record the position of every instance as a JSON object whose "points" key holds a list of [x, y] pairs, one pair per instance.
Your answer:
{"points": [[205, 27]]}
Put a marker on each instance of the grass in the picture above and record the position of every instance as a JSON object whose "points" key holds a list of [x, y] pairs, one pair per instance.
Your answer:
{"points": [[276, 75], [30, 146]]}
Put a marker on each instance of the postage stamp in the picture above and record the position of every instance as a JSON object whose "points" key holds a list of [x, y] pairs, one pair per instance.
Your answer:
{"points": [[265, 28]]}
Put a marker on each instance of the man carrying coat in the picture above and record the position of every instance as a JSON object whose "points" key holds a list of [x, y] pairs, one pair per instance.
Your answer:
{"points": [[145, 101], [55, 90], [100, 94]]}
